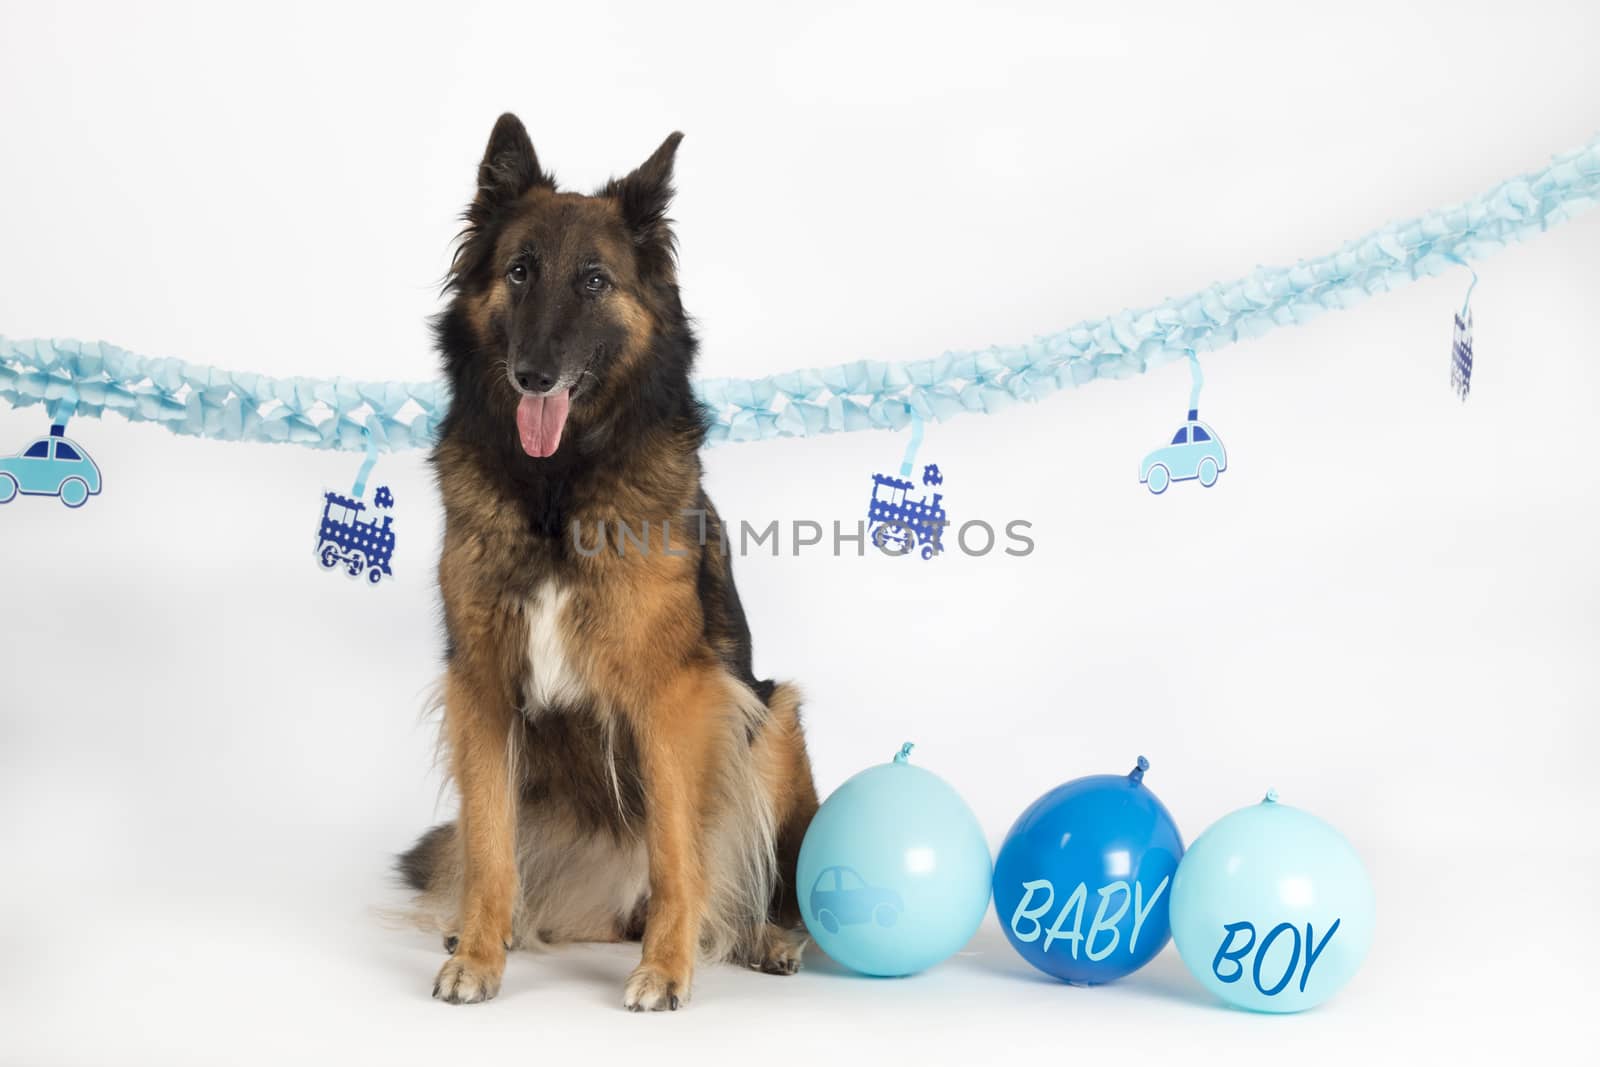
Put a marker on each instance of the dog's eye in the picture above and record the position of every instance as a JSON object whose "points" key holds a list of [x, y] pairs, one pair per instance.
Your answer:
{"points": [[518, 274], [595, 282]]}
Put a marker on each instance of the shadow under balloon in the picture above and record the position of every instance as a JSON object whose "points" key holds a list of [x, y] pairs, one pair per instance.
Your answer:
{"points": [[987, 951], [1163, 978], [818, 964], [1166, 978]]}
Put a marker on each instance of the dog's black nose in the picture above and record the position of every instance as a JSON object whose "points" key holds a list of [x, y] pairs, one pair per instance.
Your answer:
{"points": [[535, 381]]}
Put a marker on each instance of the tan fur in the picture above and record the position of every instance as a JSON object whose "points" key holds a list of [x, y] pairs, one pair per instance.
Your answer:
{"points": [[703, 853]]}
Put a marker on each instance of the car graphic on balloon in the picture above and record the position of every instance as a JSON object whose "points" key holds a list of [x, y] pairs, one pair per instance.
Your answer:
{"points": [[50, 466], [1195, 453], [841, 897]]}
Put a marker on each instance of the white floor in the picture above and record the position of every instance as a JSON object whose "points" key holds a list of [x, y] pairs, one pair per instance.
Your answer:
{"points": [[182, 972]]}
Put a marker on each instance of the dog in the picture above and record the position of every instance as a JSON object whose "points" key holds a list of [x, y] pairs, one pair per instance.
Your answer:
{"points": [[623, 775]]}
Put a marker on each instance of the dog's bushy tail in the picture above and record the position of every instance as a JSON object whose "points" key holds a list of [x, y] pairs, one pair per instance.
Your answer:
{"points": [[420, 865]]}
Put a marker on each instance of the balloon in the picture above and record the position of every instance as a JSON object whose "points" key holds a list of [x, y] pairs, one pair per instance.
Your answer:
{"points": [[1271, 908], [1082, 883], [894, 871]]}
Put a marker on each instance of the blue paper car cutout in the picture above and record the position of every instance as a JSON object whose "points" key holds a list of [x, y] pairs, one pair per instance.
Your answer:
{"points": [[50, 466], [841, 897], [1195, 452]]}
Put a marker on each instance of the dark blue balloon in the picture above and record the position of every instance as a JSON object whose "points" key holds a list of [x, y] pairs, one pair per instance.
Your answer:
{"points": [[1083, 880]]}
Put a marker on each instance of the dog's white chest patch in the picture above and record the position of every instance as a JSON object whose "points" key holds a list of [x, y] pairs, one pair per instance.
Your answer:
{"points": [[551, 679]]}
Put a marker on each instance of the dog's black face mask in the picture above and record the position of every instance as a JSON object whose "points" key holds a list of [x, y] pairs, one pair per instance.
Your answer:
{"points": [[564, 290]]}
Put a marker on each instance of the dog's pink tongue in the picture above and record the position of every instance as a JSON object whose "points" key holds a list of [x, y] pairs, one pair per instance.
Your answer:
{"points": [[539, 423]]}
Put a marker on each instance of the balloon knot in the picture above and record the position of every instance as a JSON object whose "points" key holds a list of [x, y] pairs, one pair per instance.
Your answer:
{"points": [[1271, 797], [905, 751], [1137, 774]]}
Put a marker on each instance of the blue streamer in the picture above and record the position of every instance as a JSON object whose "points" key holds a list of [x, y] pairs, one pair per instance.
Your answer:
{"points": [[359, 490], [63, 409], [910, 458], [866, 394], [1466, 302]]}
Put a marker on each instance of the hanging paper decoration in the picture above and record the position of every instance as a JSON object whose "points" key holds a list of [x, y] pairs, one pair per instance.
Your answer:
{"points": [[1461, 357], [231, 405], [899, 524], [346, 539], [51, 466], [1196, 452], [1461, 346]]}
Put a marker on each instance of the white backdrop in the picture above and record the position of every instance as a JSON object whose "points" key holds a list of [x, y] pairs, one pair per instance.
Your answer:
{"points": [[1386, 608]]}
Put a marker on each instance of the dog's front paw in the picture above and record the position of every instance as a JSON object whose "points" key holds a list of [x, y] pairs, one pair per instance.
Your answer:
{"points": [[650, 988], [466, 981]]}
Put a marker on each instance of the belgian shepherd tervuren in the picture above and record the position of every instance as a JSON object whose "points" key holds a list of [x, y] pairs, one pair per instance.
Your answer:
{"points": [[622, 772]]}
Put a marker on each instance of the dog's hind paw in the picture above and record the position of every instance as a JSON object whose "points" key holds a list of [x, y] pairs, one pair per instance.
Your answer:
{"points": [[651, 989], [465, 981], [784, 964], [781, 950]]}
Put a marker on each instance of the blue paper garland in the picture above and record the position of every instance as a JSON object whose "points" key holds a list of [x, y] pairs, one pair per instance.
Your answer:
{"points": [[339, 413]]}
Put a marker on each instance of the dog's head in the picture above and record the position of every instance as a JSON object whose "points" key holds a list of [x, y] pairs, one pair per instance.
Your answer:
{"points": [[563, 293]]}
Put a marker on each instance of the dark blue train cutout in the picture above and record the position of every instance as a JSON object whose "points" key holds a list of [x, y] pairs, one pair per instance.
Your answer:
{"points": [[898, 524], [358, 544]]}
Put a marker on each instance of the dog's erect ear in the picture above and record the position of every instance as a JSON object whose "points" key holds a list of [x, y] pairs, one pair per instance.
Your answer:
{"points": [[508, 170], [509, 166], [645, 195]]}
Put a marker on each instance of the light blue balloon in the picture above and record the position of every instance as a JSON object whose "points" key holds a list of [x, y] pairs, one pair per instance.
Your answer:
{"points": [[894, 871], [1272, 909]]}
